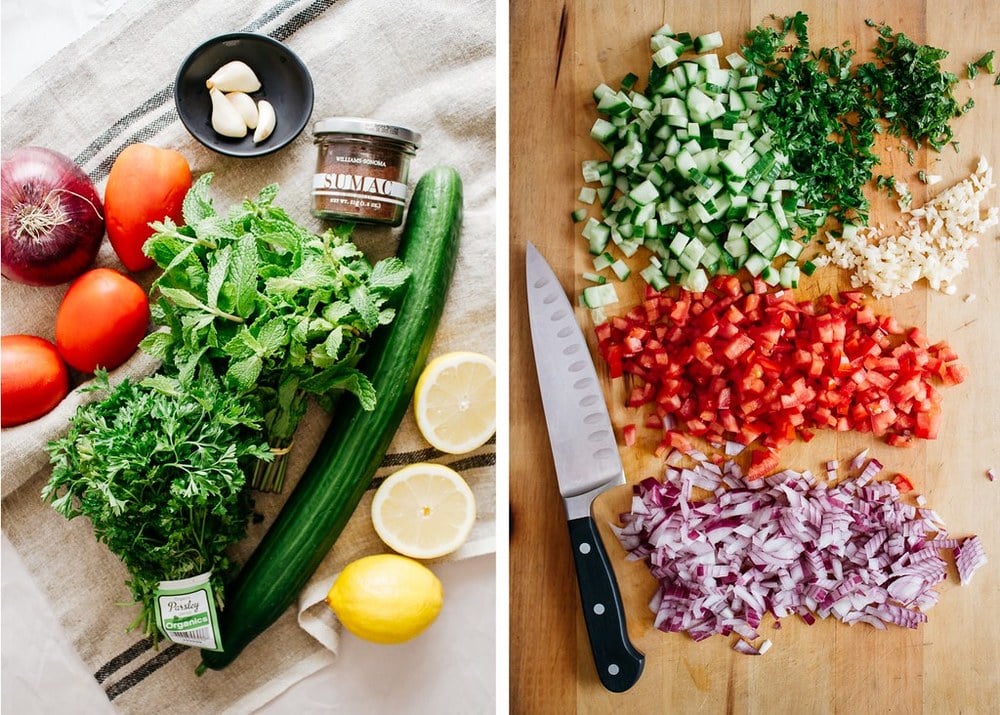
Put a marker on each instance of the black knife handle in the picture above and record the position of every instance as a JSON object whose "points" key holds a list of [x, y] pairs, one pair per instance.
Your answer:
{"points": [[619, 664]]}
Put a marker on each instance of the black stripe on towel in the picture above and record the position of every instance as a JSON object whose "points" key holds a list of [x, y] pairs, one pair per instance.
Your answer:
{"points": [[139, 674], [123, 658]]}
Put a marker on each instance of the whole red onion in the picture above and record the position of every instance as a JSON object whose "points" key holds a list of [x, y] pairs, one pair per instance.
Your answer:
{"points": [[51, 218]]}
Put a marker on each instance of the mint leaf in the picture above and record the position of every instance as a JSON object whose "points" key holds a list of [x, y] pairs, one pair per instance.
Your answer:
{"points": [[363, 302], [243, 274], [197, 204], [343, 378], [388, 274], [273, 336], [333, 342], [183, 299], [157, 344], [217, 275], [244, 373], [266, 195]]}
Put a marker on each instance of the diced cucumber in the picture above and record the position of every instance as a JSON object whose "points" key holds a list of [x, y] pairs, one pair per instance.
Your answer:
{"points": [[620, 269], [587, 195], [599, 296], [756, 264], [603, 131], [603, 261], [595, 278], [708, 42], [579, 215]]}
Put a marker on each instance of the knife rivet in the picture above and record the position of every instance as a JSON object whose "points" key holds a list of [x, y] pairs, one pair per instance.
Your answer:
{"points": [[613, 669], [584, 548], [599, 609]]}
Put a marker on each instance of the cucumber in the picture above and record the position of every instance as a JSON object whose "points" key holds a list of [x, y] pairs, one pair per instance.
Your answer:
{"points": [[356, 442]]}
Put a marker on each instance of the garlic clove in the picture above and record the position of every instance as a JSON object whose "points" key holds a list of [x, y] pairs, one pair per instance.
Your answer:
{"points": [[245, 105], [265, 122], [226, 120], [235, 76]]}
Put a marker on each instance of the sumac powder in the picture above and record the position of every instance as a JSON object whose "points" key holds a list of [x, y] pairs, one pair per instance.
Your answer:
{"points": [[361, 170]]}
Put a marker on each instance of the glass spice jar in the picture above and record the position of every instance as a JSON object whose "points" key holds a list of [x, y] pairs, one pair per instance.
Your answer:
{"points": [[361, 170]]}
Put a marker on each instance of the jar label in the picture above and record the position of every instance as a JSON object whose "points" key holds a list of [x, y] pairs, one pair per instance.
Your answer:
{"points": [[359, 186]]}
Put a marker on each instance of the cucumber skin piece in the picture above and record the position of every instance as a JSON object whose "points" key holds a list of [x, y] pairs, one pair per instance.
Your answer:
{"points": [[355, 443]]}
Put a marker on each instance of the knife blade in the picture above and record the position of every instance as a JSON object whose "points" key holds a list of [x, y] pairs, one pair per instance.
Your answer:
{"points": [[585, 454]]}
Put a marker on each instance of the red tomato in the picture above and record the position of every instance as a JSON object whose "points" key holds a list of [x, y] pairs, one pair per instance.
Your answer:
{"points": [[145, 184], [101, 320], [34, 378]]}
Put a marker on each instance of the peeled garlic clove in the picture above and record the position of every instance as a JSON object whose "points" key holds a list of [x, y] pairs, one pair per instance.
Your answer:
{"points": [[265, 121], [235, 76], [245, 106], [226, 120]]}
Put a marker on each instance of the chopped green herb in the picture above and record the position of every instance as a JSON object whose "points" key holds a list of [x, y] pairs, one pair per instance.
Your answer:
{"points": [[922, 175], [985, 63], [826, 112], [911, 89]]}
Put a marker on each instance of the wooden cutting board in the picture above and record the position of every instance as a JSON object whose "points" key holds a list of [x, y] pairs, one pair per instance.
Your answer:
{"points": [[559, 53]]}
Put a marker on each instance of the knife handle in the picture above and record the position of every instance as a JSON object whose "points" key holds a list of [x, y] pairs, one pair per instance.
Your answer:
{"points": [[619, 664]]}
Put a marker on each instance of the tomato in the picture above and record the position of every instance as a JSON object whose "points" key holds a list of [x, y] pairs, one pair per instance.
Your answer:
{"points": [[34, 378], [101, 320], [729, 366], [145, 184]]}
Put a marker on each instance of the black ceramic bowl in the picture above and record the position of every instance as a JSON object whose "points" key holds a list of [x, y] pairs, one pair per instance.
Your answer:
{"points": [[284, 79]]}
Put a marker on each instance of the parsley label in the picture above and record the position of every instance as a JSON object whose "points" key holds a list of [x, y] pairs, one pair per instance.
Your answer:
{"points": [[185, 612]]}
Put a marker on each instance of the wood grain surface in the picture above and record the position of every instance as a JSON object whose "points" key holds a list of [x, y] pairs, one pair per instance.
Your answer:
{"points": [[559, 53]]}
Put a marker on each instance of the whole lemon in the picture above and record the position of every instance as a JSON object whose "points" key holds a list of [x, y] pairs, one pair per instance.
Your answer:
{"points": [[386, 598]]}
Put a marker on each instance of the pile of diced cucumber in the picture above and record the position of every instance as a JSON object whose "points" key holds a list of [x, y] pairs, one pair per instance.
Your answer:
{"points": [[692, 176]]}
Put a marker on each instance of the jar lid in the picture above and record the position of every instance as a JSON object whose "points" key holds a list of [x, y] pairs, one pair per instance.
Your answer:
{"points": [[368, 127]]}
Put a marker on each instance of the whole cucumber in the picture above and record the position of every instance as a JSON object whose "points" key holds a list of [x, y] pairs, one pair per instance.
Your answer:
{"points": [[356, 442]]}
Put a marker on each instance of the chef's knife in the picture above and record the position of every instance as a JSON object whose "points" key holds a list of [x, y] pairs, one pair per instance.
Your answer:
{"points": [[585, 453]]}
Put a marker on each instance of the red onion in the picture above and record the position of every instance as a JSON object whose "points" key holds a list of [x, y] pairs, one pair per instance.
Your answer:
{"points": [[786, 545], [52, 218]]}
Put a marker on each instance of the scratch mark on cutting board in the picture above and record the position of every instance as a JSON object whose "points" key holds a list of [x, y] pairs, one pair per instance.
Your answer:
{"points": [[561, 45], [699, 676], [729, 690]]}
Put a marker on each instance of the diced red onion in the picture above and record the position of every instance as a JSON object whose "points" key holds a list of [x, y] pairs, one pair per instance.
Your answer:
{"points": [[969, 557], [784, 545], [859, 459], [991, 475]]}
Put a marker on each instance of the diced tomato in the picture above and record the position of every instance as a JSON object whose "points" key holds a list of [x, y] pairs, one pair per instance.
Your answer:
{"points": [[903, 483], [629, 434], [762, 463], [740, 363]]}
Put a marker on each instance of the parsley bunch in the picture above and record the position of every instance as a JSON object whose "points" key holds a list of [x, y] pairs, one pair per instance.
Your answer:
{"points": [[278, 312], [157, 468]]}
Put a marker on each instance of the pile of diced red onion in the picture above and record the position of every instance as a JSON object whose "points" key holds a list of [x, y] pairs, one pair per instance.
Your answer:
{"points": [[786, 544]]}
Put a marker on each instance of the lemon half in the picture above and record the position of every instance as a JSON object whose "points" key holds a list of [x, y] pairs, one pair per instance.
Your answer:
{"points": [[386, 598], [455, 401], [424, 510]]}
